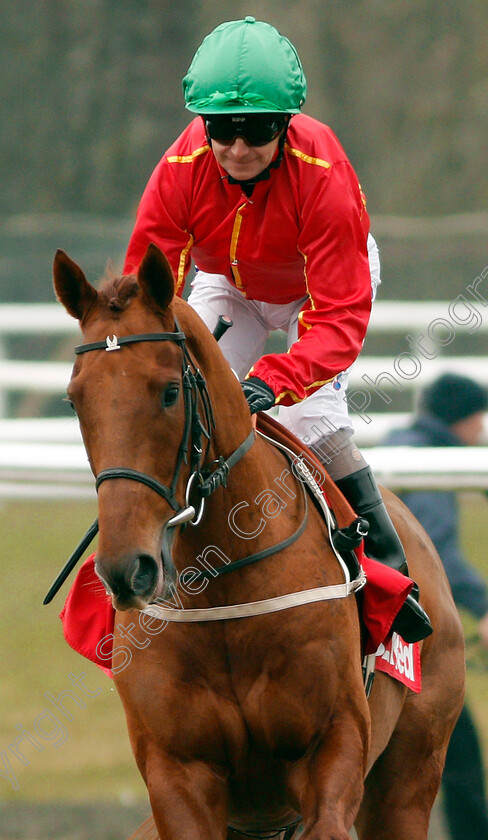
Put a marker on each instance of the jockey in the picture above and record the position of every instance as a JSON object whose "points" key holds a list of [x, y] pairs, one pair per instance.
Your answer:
{"points": [[267, 203]]}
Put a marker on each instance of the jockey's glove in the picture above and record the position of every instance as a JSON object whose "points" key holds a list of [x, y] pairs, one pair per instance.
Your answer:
{"points": [[259, 396]]}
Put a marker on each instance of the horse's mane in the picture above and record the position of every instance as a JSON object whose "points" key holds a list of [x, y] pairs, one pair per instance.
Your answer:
{"points": [[117, 292]]}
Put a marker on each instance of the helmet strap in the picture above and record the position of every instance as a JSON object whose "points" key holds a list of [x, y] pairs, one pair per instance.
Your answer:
{"points": [[281, 146]]}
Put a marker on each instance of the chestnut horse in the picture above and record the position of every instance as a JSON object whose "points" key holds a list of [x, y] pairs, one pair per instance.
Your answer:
{"points": [[240, 727]]}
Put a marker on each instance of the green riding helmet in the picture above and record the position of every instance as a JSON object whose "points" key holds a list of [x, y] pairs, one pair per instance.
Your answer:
{"points": [[245, 66]]}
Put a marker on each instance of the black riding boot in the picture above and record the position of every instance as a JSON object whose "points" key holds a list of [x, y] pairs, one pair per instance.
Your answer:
{"points": [[383, 544]]}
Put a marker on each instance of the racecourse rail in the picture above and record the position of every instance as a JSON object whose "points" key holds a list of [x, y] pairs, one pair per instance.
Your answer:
{"points": [[44, 458]]}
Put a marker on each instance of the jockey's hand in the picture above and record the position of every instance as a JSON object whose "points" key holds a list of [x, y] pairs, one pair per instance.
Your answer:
{"points": [[259, 396]]}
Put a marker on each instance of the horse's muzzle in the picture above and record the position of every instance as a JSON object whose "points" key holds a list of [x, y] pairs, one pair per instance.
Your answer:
{"points": [[132, 583]]}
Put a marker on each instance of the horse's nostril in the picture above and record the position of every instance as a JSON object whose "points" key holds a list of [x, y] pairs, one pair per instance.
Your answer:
{"points": [[144, 576]]}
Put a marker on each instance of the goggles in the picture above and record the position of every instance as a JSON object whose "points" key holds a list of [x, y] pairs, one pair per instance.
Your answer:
{"points": [[255, 129]]}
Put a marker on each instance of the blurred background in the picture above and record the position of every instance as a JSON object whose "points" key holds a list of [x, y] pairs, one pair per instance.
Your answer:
{"points": [[91, 97]]}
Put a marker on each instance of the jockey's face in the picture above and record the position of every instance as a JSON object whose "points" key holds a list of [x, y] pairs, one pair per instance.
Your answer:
{"points": [[242, 161]]}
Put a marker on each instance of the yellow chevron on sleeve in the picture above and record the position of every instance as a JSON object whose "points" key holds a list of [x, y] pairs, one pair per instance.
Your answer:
{"points": [[307, 158], [297, 399], [188, 158]]}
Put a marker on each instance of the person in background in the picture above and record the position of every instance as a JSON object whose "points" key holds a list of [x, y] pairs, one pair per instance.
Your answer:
{"points": [[451, 414], [266, 201]]}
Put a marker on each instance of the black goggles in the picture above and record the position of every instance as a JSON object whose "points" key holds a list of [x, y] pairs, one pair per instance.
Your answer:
{"points": [[255, 129]]}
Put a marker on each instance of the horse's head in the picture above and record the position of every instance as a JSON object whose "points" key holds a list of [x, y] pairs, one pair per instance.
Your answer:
{"points": [[141, 405]]}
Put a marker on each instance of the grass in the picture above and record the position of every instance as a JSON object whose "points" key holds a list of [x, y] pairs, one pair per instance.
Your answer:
{"points": [[94, 761], [474, 539]]}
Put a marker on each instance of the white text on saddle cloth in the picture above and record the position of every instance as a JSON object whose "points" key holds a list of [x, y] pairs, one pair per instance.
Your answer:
{"points": [[401, 661]]}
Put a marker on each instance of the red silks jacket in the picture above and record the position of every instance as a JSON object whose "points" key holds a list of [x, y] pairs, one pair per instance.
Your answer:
{"points": [[303, 232]]}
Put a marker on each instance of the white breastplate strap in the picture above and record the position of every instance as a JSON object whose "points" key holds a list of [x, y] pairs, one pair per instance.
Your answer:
{"points": [[281, 602]]}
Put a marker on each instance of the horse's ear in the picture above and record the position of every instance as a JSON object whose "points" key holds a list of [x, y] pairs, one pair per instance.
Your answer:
{"points": [[156, 277], [71, 286]]}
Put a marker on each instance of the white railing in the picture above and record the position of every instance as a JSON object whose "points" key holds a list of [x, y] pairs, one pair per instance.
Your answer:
{"points": [[65, 430], [389, 316], [61, 471], [45, 457], [408, 369], [35, 318], [376, 373]]}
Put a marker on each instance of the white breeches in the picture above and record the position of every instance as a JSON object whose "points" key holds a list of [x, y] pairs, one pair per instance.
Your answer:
{"points": [[323, 412]]}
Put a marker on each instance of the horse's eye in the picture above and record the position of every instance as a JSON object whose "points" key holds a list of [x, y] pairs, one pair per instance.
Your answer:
{"points": [[70, 403], [170, 395]]}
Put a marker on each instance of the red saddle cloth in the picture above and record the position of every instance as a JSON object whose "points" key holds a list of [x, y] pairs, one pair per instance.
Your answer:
{"points": [[88, 618]]}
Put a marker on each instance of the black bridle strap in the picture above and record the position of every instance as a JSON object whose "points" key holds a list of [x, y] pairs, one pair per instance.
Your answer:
{"points": [[114, 344], [190, 384], [219, 475], [142, 478]]}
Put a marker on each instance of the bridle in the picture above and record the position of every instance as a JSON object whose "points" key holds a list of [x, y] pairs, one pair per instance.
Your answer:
{"points": [[204, 478], [195, 392], [194, 387]]}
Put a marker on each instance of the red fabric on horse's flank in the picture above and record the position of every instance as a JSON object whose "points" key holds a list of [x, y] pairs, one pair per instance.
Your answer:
{"points": [[88, 615], [383, 597]]}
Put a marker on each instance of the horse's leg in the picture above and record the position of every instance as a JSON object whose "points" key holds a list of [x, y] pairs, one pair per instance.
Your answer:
{"points": [[403, 783], [401, 788], [188, 799], [329, 783]]}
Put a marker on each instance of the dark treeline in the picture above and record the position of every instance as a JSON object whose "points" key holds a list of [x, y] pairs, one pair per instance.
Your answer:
{"points": [[91, 95]]}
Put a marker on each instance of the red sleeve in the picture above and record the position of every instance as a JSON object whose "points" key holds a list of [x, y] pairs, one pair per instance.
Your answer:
{"points": [[162, 218], [333, 322]]}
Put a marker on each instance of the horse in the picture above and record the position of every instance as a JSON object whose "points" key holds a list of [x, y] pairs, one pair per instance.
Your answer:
{"points": [[257, 725]]}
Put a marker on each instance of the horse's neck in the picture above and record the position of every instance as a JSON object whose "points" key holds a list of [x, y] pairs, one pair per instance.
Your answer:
{"points": [[256, 480]]}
